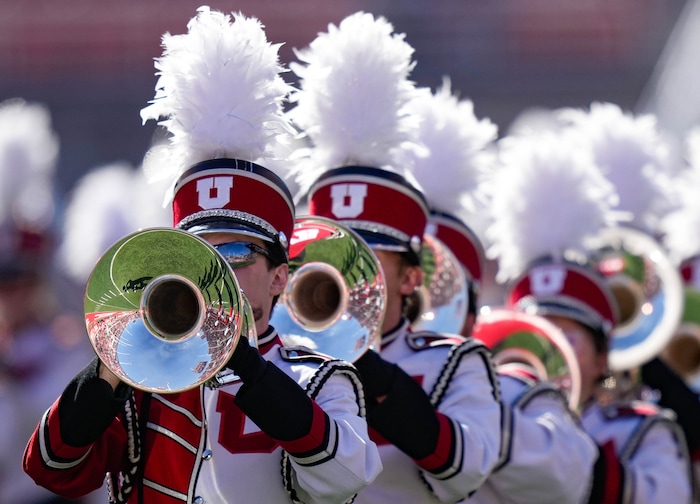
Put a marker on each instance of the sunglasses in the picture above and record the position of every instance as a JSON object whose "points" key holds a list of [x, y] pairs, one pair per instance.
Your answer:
{"points": [[239, 254]]}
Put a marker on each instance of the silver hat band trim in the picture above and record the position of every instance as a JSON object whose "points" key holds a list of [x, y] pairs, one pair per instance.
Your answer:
{"points": [[374, 227], [228, 214], [586, 314]]}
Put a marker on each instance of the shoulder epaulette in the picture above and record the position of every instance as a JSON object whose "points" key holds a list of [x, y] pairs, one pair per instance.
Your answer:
{"points": [[299, 353], [540, 389], [650, 415], [426, 339], [520, 372], [465, 347]]}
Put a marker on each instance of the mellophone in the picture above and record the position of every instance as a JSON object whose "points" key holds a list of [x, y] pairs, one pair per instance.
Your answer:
{"points": [[164, 311]]}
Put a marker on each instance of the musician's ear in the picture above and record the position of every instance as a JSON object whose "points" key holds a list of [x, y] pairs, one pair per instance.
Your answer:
{"points": [[280, 276]]}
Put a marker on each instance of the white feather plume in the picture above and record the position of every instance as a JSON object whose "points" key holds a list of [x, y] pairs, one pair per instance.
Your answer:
{"points": [[535, 120], [551, 201], [28, 155], [633, 155], [457, 155], [679, 227], [107, 203], [692, 147], [219, 94], [353, 93]]}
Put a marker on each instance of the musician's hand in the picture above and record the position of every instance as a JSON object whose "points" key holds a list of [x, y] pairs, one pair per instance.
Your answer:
{"points": [[90, 403], [377, 374], [397, 407], [269, 397], [246, 361]]}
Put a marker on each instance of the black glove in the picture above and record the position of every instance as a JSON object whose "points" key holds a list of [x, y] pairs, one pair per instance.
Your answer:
{"points": [[88, 406], [676, 396], [269, 397], [377, 374], [247, 362], [398, 408]]}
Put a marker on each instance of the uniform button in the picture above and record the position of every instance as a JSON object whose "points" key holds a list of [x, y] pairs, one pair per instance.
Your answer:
{"points": [[207, 454], [198, 500]]}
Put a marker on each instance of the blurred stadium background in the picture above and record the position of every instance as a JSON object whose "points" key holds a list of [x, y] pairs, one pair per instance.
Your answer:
{"points": [[91, 62]]}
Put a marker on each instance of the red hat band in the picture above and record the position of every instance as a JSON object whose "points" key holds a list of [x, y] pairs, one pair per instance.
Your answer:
{"points": [[690, 272], [230, 194], [381, 205], [570, 287], [461, 240]]}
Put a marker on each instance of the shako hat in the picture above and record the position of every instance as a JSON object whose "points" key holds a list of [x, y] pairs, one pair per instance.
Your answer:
{"points": [[386, 210], [551, 204], [224, 195], [351, 106], [221, 95], [565, 289], [461, 240], [452, 164], [633, 154]]}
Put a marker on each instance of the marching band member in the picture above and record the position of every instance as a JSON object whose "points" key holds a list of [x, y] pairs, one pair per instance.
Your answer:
{"points": [[452, 167], [220, 96], [542, 444], [107, 203], [642, 453], [543, 246], [659, 200], [432, 398], [674, 374], [39, 348]]}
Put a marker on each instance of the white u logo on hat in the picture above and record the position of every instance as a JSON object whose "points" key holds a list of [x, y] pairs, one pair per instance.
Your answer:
{"points": [[547, 280], [214, 192], [348, 200]]}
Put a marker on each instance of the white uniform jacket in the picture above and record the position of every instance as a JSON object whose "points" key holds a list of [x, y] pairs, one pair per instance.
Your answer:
{"points": [[458, 376], [654, 464], [200, 447], [546, 456]]}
